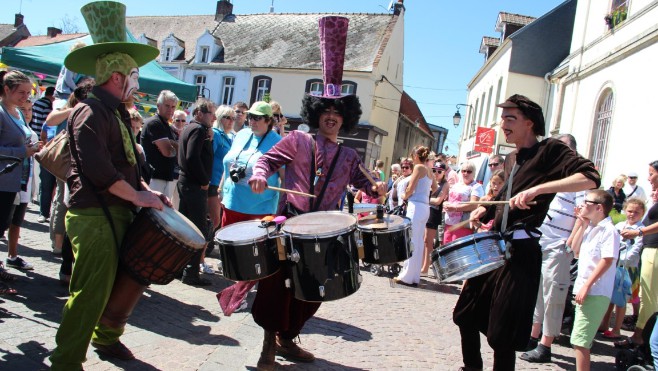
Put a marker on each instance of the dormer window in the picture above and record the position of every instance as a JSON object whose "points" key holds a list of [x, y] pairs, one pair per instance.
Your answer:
{"points": [[168, 52], [205, 52]]}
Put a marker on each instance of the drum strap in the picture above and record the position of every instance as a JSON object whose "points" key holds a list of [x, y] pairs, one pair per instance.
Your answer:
{"points": [[508, 196], [316, 203]]}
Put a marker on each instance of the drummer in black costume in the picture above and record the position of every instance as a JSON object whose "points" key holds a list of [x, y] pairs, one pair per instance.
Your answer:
{"points": [[500, 304], [321, 167]]}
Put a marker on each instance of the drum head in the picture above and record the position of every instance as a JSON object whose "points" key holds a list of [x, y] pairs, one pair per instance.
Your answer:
{"points": [[389, 223], [178, 226], [320, 224], [241, 233]]}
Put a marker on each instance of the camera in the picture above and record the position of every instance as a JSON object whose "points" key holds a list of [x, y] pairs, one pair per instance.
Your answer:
{"points": [[237, 172]]}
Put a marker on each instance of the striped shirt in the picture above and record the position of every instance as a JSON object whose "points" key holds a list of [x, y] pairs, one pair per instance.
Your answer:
{"points": [[40, 111], [560, 219]]}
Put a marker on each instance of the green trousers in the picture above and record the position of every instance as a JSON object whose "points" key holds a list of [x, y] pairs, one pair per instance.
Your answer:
{"points": [[96, 262]]}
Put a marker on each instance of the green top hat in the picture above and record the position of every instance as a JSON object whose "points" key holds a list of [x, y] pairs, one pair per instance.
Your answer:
{"points": [[106, 21]]}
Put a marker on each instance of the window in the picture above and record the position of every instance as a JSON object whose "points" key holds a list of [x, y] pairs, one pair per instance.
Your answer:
{"points": [[168, 52], [316, 87], [487, 119], [200, 82], [227, 90], [498, 91], [348, 87], [261, 88], [472, 119], [205, 51], [602, 123], [618, 12]]}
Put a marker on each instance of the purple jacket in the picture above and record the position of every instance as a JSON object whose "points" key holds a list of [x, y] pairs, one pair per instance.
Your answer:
{"points": [[294, 152]]}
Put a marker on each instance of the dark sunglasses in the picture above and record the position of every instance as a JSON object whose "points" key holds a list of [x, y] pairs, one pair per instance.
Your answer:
{"points": [[437, 171], [277, 115], [467, 171], [590, 202], [494, 164], [179, 120], [256, 117], [405, 167], [632, 177], [228, 118]]}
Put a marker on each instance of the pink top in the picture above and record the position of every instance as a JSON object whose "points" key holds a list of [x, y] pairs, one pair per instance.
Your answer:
{"points": [[294, 152]]}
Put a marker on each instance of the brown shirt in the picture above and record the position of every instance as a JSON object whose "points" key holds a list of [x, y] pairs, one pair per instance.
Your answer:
{"points": [[103, 161], [546, 161]]}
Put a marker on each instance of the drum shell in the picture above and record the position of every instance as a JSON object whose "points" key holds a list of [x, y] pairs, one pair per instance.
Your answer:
{"points": [[151, 253], [250, 261], [383, 246], [468, 257], [328, 268]]}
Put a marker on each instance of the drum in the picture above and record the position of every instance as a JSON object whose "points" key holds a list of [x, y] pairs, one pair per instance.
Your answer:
{"points": [[468, 257], [327, 268], [385, 241], [247, 252], [158, 244]]}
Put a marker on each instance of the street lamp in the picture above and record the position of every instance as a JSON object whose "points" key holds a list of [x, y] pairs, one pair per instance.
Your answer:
{"points": [[202, 91], [456, 119]]}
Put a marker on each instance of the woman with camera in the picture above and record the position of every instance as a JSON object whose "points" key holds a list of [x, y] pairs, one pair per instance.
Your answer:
{"points": [[239, 202]]}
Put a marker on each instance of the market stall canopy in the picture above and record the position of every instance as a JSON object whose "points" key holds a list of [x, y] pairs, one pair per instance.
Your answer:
{"points": [[49, 58]]}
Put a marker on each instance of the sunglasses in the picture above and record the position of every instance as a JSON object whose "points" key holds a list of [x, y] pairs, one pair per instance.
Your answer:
{"points": [[239, 112], [278, 115], [632, 177], [494, 164], [467, 171], [590, 202], [405, 167], [256, 117], [228, 118], [437, 171], [179, 120]]}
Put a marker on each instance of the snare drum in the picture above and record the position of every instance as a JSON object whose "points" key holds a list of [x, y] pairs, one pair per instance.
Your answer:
{"points": [[158, 244], [328, 267], [468, 257], [385, 241], [247, 252]]}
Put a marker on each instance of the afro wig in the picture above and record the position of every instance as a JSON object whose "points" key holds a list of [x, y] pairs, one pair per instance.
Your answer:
{"points": [[348, 107]]}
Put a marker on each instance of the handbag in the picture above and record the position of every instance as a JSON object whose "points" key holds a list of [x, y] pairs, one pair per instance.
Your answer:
{"points": [[55, 156], [621, 291]]}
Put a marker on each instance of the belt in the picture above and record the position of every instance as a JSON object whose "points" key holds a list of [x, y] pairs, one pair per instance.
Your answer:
{"points": [[521, 234]]}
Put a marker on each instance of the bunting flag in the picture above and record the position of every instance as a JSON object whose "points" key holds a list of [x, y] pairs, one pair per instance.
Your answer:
{"points": [[146, 108]]}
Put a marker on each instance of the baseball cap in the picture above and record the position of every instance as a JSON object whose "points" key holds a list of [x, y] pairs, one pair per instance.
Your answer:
{"points": [[632, 174], [530, 109], [261, 109], [440, 166]]}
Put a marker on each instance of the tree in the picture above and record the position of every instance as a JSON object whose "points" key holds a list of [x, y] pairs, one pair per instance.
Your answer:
{"points": [[69, 24]]}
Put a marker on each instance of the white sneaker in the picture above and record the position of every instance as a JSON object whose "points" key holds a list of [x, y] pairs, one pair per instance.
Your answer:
{"points": [[42, 219], [206, 268]]}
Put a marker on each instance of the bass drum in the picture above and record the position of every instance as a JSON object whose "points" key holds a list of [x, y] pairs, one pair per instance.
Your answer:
{"points": [[327, 268], [247, 252], [469, 256], [385, 241]]}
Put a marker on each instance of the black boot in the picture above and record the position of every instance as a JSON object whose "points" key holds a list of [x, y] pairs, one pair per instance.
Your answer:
{"points": [[541, 354], [266, 361]]}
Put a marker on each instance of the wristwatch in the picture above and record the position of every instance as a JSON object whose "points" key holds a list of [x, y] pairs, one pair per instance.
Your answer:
{"points": [[639, 232]]}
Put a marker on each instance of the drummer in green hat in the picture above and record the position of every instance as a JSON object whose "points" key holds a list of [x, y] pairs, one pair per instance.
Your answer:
{"points": [[105, 185]]}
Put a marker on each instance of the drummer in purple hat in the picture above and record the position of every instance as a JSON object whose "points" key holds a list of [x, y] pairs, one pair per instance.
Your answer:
{"points": [[319, 166]]}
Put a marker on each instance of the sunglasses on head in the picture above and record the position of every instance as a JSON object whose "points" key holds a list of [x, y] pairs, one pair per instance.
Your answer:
{"points": [[494, 164], [467, 171], [255, 117]]}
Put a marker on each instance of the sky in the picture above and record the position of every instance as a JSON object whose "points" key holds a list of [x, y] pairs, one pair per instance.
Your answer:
{"points": [[441, 42]]}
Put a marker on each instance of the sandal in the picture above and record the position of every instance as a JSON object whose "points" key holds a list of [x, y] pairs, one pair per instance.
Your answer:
{"points": [[610, 335], [6, 290], [627, 343], [6, 276]]}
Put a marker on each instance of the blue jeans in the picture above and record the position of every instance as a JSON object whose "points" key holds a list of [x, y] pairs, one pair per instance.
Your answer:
{"points": [[46, 188]]}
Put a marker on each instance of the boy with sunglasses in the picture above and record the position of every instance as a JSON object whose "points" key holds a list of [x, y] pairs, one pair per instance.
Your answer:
{"points": [[596, 244]]}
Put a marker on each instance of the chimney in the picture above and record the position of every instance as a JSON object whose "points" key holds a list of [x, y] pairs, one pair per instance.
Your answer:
{"points": [[224, 8], [398, 7], [53, 31], [18, 20]]}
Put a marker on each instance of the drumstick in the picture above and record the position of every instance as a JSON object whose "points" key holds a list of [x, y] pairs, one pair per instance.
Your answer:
{"points": [[367, 174], [289, 191], [492, 203], [458, 225]]}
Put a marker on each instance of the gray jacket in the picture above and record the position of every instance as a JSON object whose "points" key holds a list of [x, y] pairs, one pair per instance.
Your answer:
{"points": [[12, 143]]}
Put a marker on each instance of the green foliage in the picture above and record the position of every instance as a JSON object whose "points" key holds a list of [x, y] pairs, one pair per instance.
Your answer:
{"points": [[617, 216]]}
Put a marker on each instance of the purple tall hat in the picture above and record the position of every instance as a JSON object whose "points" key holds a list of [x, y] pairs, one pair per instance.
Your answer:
{"points": [[333, 38]]}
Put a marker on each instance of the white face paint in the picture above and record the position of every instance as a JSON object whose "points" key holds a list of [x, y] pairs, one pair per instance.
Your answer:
{"points": [[130, 85]]}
